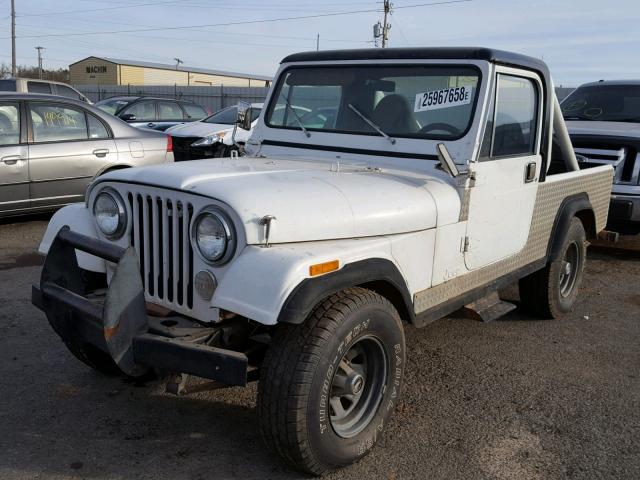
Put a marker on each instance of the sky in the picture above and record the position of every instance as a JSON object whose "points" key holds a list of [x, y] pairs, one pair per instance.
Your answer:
{"points": [[581, 40]]}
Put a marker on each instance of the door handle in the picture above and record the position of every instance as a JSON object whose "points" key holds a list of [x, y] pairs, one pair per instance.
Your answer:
{"points": [[101, 152], [530, 172], [11, 159], [151, 125]]}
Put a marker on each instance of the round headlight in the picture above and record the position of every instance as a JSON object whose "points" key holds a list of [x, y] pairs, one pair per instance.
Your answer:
{"points": [[213, 236], [109, 213]]}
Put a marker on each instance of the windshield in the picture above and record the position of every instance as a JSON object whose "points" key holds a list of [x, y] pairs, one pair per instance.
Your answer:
{"points": [[226, 116], [608, 103], [112, 106], [413, 101]]}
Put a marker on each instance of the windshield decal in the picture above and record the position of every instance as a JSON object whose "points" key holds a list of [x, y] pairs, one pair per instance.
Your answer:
{"points": [[444, 98]]}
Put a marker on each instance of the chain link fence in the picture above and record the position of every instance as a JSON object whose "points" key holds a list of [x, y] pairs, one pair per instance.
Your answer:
{"points": [[212, 98]]}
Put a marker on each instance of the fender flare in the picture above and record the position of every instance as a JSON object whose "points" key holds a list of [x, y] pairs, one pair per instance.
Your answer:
{"points": [[377, 274], [109, 168], [577, 205]]}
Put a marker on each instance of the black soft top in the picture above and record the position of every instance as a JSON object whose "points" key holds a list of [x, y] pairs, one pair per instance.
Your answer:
{"points": [[500, 57]]}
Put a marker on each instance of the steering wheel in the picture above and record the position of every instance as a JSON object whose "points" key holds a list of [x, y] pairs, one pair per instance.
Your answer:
{"points": [[440, 126]]}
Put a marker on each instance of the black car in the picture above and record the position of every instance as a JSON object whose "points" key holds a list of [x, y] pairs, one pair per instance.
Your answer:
{"points": [[151, 112]]}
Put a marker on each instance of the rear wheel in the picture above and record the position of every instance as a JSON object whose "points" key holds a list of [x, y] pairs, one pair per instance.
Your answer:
{"points": [[328, 386], [552, 291]]}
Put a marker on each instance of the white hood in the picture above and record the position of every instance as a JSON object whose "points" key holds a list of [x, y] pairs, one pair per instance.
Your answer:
{"points": [[618, 129], [197, 129], [309, 200]]}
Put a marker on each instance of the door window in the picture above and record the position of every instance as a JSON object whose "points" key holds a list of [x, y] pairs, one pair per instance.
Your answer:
{"points": [[38, 87], [514, 130], [144, 111], [97, 130], [68, 92], [169, 111], [55, 123], [9, 124]]}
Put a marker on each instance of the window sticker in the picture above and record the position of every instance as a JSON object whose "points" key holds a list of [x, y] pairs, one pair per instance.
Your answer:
{"points": [[445, 98]]}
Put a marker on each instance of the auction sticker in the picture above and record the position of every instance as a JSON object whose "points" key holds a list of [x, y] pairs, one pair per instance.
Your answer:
{"points": [[445, 98]]}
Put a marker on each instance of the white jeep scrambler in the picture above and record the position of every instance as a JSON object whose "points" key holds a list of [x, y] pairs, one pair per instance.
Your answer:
{"points": [[414, 184]]}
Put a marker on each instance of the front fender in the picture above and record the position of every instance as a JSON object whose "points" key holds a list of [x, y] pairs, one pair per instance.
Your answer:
{"points": [[261, 279], [79, 219]]}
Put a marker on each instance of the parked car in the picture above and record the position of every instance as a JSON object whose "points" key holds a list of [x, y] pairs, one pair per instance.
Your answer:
{"points": [[152, 113], [52, 148], [31, 85], [603, 119], [425, 189], [211, 136]]}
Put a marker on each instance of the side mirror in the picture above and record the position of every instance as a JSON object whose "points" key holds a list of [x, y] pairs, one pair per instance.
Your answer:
{"points": [[243, 120], [446, 162], [128, 117]]}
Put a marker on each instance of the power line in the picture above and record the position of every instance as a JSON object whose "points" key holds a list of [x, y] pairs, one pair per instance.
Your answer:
{"points": [[245, 22]]}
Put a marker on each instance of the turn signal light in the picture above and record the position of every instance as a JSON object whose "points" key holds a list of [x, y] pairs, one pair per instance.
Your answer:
{"points": [[326, 267], [169, 143]]}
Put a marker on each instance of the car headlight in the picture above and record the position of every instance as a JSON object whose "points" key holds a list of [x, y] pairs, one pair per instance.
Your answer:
{"points": [[110, 214], [213, 236], [209, 140]]}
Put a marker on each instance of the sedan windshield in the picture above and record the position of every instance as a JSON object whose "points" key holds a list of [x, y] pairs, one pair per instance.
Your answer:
{"points": [[112, 105], [396, 101], [226, 116], [605, 103]]}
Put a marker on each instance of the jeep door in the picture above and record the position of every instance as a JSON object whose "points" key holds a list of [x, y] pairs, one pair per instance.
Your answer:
{"points": [[140, 114], [169, 114], [502, 199], [67, 148], [14, 166]]}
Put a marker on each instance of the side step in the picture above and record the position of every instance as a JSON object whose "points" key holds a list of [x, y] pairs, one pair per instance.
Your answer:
{"points": [[488, 308]]}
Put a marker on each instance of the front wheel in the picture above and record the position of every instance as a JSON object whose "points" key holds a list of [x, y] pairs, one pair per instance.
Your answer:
{"points": [[328, 386], [552, 291]]}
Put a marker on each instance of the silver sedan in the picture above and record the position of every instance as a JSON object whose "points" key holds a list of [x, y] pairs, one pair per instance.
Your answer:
{"points": [[51, 148]]}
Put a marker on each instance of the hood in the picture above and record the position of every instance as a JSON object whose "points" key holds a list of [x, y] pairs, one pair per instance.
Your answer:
{"points": [[310, 200], [197, 129], [618, 129]]}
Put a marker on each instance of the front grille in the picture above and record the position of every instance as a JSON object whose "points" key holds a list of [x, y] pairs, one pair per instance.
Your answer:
{"points": [[182, 149], [160, 236], [620, 153]]}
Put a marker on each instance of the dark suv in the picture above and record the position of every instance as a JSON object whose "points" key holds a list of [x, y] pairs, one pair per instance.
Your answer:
{"points": [[153, 113]]}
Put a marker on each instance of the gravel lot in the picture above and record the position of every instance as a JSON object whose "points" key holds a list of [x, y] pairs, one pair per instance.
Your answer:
{"points": [[518, 398]]}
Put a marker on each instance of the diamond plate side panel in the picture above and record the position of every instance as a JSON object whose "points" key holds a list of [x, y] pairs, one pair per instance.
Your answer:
{"points": [[595, 182]]}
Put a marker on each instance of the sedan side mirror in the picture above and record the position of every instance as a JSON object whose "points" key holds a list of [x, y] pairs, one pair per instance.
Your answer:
{"points": [[128, 117], [243, 120]]}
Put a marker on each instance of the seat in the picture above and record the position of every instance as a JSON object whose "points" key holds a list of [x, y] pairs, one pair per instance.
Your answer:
{"points": [[393, 115]]}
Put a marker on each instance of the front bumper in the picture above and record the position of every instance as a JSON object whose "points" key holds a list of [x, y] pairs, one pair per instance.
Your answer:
{"points": [[624, 209], [115, 320]]}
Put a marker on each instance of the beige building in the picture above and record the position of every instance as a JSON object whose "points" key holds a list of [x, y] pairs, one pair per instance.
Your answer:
{"points": [[115, 71]]}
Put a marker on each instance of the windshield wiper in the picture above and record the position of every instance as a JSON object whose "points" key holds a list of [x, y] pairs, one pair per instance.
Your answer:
{"points": [[295, 115], [371, 124]]}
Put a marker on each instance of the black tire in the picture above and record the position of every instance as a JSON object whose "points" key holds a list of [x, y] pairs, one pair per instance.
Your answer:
{"points": [[95, 358], [304, 375], [552, 291]]}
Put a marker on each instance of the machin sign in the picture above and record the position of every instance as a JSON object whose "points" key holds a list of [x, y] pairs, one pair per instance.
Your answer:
{"points": [[96, 69]]}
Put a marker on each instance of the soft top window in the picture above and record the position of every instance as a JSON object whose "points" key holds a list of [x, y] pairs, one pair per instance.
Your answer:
{"points": [[431, 102]]}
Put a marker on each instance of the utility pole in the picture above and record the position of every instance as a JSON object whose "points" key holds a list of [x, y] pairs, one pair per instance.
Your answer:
{"points": [[13, 38], [39, 61], [178, 62], [385, 26], [381, 31]]}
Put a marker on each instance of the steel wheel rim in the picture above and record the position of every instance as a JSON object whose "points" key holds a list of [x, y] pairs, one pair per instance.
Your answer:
{"points": [[357, 387], [569, 269]]}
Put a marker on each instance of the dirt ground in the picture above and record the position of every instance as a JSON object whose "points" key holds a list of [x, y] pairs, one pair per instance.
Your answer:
{"points": [[517, 398]]}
